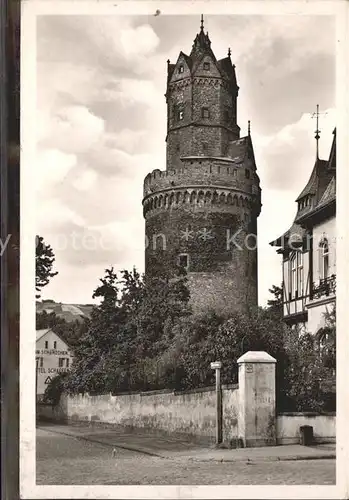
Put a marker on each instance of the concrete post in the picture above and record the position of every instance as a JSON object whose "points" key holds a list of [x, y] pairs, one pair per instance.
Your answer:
{"points": [[217, 365], [257, 412]]}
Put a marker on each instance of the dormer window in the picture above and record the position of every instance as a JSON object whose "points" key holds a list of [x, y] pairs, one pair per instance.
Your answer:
{"points": [[205, 113], [206, 66], [181, 69]]}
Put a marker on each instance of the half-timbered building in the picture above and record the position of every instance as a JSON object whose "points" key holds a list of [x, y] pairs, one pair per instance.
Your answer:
{"points": [[308, 250]]}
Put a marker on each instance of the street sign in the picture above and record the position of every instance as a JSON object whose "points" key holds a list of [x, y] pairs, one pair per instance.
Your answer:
{"points": [[216, 365], [48, 380]]}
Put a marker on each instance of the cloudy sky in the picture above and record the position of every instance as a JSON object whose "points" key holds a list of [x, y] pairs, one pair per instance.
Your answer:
{"points": [[101, 119]]}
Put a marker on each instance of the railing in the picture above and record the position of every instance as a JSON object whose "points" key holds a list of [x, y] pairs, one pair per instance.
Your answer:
{"points": [[325, 287]]}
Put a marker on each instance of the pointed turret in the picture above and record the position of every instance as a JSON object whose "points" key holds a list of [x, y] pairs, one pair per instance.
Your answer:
{"points": [[202, 43]]}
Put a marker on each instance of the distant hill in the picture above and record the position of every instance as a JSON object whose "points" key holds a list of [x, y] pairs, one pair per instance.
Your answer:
{"points": [[69, 312]]}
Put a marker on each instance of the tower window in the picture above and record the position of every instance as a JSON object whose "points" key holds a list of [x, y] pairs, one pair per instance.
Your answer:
{"points": [[205, 113], [178, 148], [247, 173], [46, 344], [55, 345], [180, 114], [226, 115], [235, 172], [183, 260], [206, 66], [181, 69], [205, 147]]}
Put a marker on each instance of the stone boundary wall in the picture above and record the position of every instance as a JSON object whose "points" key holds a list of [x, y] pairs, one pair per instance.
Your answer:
{"points": [[191, 412], [288, 424]]}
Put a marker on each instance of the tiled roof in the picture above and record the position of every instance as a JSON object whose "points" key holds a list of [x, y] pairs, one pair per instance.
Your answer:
{"points": [[238, 149], [314, 181], [321, 187], [227, 68], [294, 235], [329, 194], [187, 59]]}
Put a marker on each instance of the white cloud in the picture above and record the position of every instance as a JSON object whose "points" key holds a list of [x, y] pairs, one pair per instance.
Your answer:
{"points": [[130, 90], [74, 129], [139, 41], [52, 213], [52, 167], [85, 181]]}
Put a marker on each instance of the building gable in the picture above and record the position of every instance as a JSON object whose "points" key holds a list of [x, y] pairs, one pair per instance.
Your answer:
{"points": [[181, 69], [206, 67], [50, 336]]}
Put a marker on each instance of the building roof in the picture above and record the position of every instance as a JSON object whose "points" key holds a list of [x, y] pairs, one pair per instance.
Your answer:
{"points": [[202, 47], [241, 149], [321, 188], [226, 66], [329, 194], [318, 180], [41, 333]]}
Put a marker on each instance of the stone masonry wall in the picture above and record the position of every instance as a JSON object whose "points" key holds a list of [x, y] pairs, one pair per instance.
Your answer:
{"points": [[191, 412]]}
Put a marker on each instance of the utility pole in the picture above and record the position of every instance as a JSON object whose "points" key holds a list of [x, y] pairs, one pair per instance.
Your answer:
{"points": [[217, 365]]}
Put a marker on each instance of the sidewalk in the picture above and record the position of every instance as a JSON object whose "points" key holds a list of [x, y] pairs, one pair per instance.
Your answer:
{"points": [[175, 447]]}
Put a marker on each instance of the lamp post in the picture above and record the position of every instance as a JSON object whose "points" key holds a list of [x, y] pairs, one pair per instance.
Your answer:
{"points": [[217, 365]]}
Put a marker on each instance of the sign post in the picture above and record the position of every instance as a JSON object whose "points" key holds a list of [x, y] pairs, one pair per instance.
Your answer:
{"points": [[217, 365]]}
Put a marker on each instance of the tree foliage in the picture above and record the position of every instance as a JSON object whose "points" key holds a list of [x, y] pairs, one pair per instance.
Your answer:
{"points": [[143, 336], [311, 371], [44, 260], [276, 304]]}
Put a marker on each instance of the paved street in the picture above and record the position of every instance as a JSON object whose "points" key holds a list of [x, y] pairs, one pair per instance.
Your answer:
{"points": [[64, 459]]}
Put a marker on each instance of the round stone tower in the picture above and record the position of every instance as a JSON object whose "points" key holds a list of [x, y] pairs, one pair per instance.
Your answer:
{"points": [[201, 212]]}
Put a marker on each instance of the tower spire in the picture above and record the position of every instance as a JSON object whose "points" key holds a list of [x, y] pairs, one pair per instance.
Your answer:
{"points": [[317, 131], [202, 23], [249, 128]]}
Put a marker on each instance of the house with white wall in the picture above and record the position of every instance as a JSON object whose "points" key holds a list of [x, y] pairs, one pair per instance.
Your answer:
{"points": [[53, 356]]}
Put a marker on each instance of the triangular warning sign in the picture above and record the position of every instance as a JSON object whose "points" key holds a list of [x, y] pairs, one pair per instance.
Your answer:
{"points": [[48, 380]]}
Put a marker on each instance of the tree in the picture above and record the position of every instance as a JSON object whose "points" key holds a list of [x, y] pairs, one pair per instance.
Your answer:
{"points": [[44, 260], [127, 332], [311, 371], [275, 305]]}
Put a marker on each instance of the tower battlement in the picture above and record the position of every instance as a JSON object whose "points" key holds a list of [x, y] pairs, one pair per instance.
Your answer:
{"points": [[205, 172]]}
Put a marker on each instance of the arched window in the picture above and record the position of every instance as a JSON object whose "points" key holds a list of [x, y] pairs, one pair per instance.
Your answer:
{"points": [[324, 258]]}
